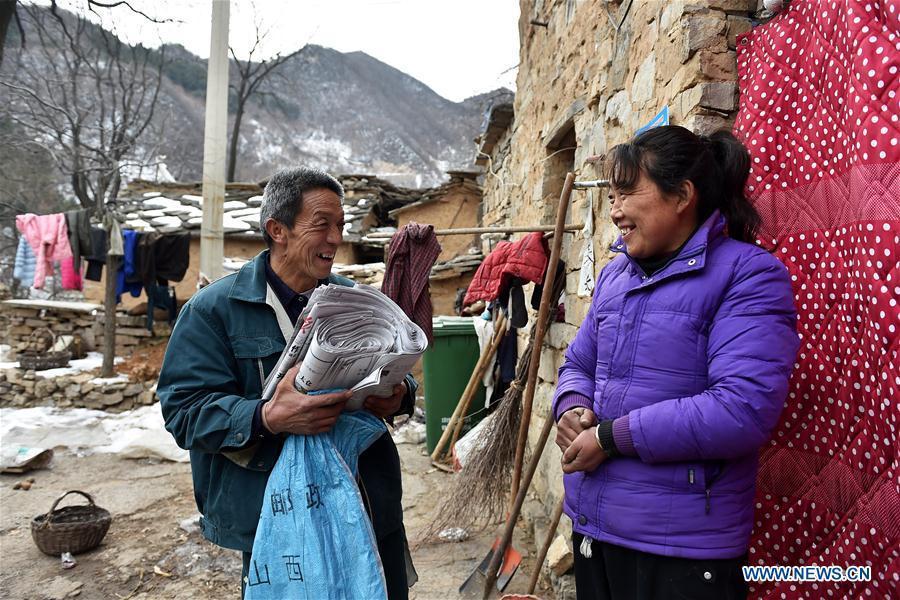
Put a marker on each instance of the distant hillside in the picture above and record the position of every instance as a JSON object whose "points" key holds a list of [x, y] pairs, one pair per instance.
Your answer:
{"points": [[348, 113]]}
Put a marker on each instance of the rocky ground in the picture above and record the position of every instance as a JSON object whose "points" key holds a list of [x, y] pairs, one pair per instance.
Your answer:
{"points": [[153, 552]]}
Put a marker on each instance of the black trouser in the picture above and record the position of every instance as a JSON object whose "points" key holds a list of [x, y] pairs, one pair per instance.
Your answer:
{"points": [[617, 573], [391, 549]]}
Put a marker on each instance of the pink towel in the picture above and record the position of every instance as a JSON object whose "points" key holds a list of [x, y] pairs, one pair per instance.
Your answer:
{"points": [[71, 278], [48, 237]]}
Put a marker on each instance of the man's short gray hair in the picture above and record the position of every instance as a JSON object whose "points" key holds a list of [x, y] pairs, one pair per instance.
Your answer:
{"points": [[283, 196]]}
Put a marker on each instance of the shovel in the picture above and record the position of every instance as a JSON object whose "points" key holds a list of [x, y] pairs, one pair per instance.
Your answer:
{"points": [[511, 558], [473, 586]]}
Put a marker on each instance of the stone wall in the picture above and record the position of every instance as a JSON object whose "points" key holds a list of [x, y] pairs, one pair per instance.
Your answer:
{"points": [[25, 388], [22, 317], [590, 74]]}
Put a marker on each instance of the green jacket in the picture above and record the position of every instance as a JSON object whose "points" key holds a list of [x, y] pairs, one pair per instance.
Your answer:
{"points": [[225, 342]]}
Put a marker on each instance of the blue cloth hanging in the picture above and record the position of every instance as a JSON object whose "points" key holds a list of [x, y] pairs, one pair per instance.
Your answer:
{"points": [[26, 262], [126, 274]]}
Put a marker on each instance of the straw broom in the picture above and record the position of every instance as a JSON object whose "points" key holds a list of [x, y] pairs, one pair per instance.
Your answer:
{"points": [[477, 496]]}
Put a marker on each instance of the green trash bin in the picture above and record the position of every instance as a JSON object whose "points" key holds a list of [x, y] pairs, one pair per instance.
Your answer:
{"points": [[447, 365]]}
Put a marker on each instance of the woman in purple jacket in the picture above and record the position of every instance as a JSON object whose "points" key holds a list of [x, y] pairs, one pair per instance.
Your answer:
{"points": [[676, 377]]}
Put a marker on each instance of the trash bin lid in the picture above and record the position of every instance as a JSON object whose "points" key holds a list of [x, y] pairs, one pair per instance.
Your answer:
{"points": [[444, 325]]}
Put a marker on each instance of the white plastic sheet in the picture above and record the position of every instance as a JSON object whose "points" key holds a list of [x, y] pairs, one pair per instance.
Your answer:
{"points": [[138, 433]]}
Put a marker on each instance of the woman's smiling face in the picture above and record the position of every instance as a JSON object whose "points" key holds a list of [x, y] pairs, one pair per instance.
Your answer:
{"points": [[652, 223]]}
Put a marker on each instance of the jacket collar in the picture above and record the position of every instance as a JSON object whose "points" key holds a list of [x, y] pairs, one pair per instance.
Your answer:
{"points": [[692, 256], [250, 283]]}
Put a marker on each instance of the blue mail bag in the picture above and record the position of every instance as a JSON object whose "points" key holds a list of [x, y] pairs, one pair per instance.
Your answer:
{"points": [[314, 538]]}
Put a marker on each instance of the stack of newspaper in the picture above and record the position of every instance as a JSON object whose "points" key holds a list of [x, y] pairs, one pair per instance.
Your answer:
{"points": [[352, 338]]}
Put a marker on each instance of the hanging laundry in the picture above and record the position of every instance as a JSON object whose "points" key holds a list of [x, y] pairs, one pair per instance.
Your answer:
{"points": [[125, 278], [173, 255], [116, 238], [162, 257], [512, 302], [96, 256], [48, 237], [78, 223], [70, 279], [160, 296], [145, 260], [26, 261], [586, 273], [484, 330], [525, 258], [411, 255]]}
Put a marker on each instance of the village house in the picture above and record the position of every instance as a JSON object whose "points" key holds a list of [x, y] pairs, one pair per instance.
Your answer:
{"points": [[169, 208]]}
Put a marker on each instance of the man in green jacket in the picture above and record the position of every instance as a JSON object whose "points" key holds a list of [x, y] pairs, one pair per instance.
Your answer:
{"points": [[227, 340]]}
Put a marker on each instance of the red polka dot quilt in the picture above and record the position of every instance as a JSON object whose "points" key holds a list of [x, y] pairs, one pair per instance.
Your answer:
{"points": [[820, 114]]}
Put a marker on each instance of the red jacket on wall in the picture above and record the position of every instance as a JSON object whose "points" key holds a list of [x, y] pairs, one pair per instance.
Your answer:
{"points": [[525, 258]]}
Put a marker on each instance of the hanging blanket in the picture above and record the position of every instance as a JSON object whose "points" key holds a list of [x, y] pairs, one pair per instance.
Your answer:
{"points": [[411, 255], [819, 113], [314, 539]]}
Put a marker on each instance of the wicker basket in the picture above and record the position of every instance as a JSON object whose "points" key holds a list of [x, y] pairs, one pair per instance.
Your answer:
{"points": [[72, 528], [38, 356]]}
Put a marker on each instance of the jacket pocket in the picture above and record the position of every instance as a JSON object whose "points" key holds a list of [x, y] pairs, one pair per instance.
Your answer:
{"points": [[256, 346], [254, 354], [695, 476]]}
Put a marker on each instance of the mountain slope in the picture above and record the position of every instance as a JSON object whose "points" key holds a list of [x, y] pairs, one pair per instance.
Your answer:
{"points": [[348, 113]]}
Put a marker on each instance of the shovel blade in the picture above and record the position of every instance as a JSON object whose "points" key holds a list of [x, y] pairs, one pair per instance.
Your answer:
{"points": [[474, 584]]}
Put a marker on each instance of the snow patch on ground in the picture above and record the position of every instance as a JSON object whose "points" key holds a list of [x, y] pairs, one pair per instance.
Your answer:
{"points": [[138, 433]]}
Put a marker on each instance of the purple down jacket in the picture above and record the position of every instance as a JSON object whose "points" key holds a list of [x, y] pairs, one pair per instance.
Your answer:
{"points": [[698, 356]]}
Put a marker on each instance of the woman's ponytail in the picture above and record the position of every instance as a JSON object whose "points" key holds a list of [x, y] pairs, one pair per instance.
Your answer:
{"points": [[733, 161]]}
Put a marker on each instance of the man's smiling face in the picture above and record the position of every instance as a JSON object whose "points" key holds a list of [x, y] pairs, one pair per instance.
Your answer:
{"points": [[310, 245]]}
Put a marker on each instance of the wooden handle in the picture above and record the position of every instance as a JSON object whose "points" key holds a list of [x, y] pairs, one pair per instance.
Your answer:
{"points": [[542, 555], [466, 401], [494, 568], [58, 500], [542, 326]]}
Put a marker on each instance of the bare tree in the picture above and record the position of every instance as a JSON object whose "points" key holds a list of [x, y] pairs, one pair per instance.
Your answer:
{"points": [[84, 98], [250, 75], [8, 14]]}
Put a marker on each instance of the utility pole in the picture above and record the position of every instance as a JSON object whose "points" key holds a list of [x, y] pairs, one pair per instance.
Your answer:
{"points": [[214, 144]]}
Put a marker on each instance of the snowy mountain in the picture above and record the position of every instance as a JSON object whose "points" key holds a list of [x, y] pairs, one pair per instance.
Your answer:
{"points": [[347, 113]]}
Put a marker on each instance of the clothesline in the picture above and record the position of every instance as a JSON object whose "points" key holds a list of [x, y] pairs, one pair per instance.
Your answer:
{"points": [[578, 185], [471, 230], [67, 238]]}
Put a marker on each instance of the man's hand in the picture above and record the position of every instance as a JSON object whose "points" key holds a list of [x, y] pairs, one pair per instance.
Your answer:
{"points": [[386, 406], [571, 424], [292, 412], [584, 454]]}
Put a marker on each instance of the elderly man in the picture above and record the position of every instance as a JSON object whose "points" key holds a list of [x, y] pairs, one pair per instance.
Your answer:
{"points": [[227, 340]]}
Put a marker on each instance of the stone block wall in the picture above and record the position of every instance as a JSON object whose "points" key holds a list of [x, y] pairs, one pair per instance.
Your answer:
{"points": [[21, 321], [21, 388], [591, 73]]}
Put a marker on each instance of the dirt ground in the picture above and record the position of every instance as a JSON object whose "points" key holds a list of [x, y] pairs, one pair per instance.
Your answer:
{"points": [[147, 555], [144, 363]]}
